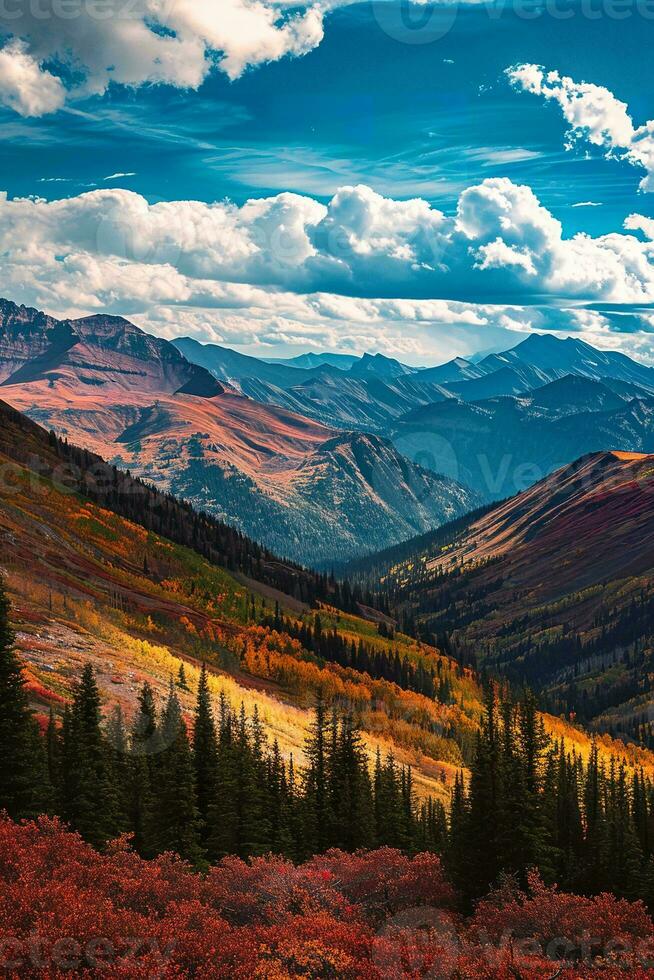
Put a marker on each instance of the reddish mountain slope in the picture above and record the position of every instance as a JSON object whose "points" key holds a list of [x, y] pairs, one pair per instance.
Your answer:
{"points": [[135, 399], [599, 510], [92, 351], [554, 587]]}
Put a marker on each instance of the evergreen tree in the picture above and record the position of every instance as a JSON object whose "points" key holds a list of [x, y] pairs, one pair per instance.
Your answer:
{"points": [[144, 746], [176, 819], [90, 801], [223, 814], [484, 830], [181, 677], [118, 748], [352, 804], [280, 805], [318, 816], [205, 753], [596, 870], [24, 785]]}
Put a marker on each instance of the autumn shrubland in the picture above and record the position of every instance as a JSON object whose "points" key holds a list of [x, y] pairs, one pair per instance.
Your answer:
{"points": [[68, 909]]}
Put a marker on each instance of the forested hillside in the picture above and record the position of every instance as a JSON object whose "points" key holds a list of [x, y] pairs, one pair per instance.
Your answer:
{"points": [[552, 588], [90, 584]]}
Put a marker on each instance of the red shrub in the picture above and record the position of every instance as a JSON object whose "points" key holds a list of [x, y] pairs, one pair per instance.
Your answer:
{"points": [[67, 910], [602, 929]]}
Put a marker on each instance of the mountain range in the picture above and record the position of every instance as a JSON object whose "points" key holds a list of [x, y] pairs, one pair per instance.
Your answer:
{"points": [[313, 493], [315, 384], [497, 423], [500, 446], [552, 589], [323, 457]]}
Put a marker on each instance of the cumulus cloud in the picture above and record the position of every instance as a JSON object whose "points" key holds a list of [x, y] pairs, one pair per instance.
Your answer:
{"points": [[501, 240], [136, 42], [594, 115], [638, 222], [275, 266], [25, 85]]}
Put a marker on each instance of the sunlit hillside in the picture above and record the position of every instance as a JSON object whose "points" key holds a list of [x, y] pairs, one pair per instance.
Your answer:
{"points": [[89, 585]]}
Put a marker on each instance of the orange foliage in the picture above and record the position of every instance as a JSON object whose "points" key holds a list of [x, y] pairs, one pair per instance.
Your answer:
{"points": [[409, 718], [35, 689]]}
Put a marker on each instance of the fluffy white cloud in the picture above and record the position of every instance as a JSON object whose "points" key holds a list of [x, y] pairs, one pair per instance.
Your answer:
{"points": [[280, 266], [594, 115], [24, 85], [136, 42], [502, 239], [638, 222]]}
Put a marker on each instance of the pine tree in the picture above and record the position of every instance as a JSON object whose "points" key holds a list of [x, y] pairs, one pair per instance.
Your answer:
{"points": [[181, 677], [457, 849], [23, 778], [253, 817], [280, 804], [144, 746], [351, 799], [596, 871], [388, 804], [176, 819], [318, 816], [223, 815], [118, 748], [205, 754], [90, 802], [486, 797]]}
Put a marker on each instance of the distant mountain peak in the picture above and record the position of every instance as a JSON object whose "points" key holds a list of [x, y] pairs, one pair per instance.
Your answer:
{"points": [[108, 320], [379, 365], [92, 351]]}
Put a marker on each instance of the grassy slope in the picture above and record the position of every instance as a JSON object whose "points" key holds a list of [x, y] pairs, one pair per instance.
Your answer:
{"points": [[89, 585]]}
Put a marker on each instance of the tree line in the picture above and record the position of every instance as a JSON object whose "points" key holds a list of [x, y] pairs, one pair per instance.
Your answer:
{"points": [[531, 802], [217, 787], [205, 790], [331, 646]]}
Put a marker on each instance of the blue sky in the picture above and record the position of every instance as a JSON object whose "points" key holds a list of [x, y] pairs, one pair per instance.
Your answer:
{"points": [[408, 120]]}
